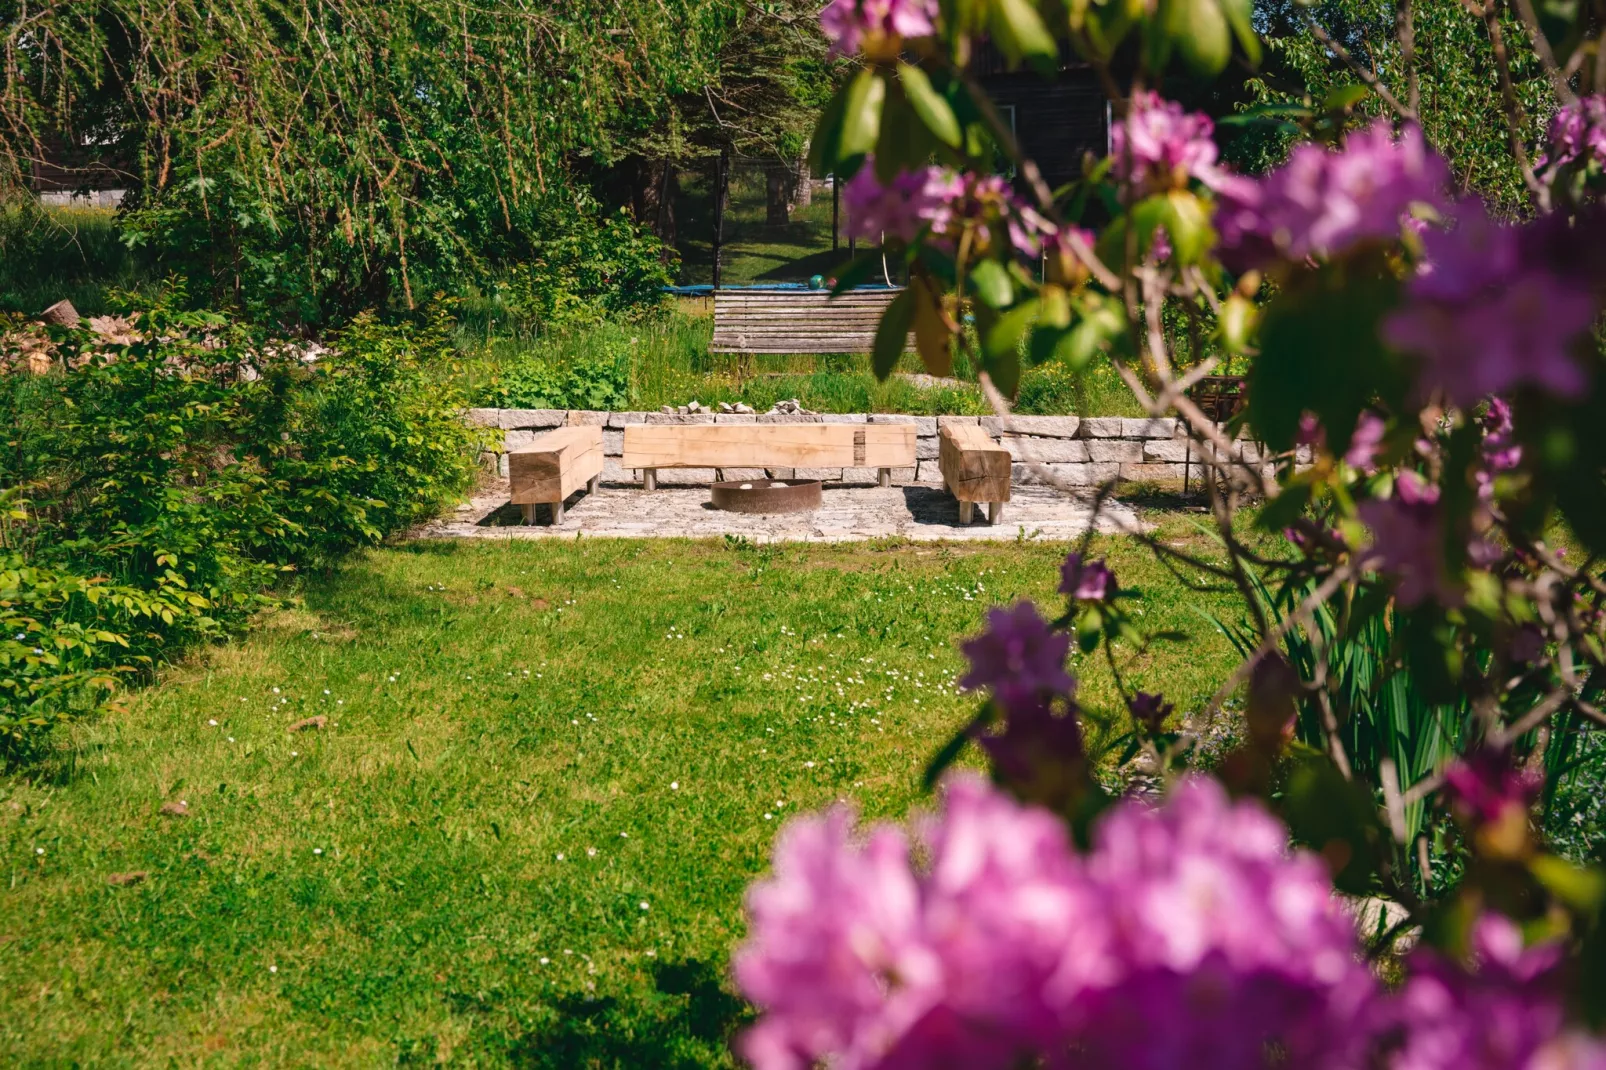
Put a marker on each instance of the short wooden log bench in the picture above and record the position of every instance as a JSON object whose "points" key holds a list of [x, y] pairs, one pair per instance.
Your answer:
{"points": [[798, 321], [975, 469], [650, 447], [553, 467]]}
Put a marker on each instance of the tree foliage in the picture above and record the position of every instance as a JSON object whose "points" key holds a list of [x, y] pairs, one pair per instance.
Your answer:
{"points": [[310, 158]]}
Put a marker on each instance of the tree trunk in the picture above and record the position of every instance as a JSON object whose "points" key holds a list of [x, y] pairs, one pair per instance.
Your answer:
{"points": [[802, 187], [777, 195]]}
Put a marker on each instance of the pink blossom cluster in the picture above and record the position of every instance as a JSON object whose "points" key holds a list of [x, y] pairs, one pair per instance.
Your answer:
{"points": [[1188, 936], [876, 25], [1019, 657], [1408, 540], [900, 208], [1578, 132], [1162, 146], [945, 203], [1086, 581], [1505, 1013], [1322, 202], [1487, 314]]}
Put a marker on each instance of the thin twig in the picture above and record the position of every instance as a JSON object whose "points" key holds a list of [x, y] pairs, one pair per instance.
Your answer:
{"points": [[1371, 80]]}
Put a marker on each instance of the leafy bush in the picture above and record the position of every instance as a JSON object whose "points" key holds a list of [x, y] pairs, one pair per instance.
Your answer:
{"points": [[599, 378], [174, 467], [588, 266]]}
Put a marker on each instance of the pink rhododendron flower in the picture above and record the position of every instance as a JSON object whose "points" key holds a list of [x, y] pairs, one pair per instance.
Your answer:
{"points": [[1365, 442], [1086, 581], [877, 25], [836, 954], [1322, 202], [944, 201], [1160, 145], [1039, 755], [1489, 788], [986, 202], [1578, 132], [1019, 657], [1190, 920], [1150, 711], [855, 957], [1571, 1051], [1485, 319], [1498, 1016], [1408, 535], [899, 209]]}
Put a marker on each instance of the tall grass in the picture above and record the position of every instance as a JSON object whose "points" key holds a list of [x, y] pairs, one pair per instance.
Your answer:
{"points": [[670, 365], [76, 254]]}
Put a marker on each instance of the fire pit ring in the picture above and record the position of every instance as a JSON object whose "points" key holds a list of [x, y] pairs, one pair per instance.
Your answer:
{"points": [[767, 495]]}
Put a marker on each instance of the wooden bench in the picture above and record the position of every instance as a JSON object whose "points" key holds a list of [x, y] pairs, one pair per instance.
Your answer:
{"points": [[975, 469], [798, 321], [650, 447], [553, 467]]}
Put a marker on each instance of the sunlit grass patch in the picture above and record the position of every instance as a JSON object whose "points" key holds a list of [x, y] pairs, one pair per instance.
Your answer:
{"points": [[546, 774]]}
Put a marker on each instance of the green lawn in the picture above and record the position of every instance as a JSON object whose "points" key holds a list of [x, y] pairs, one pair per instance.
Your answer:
{"points": [[549, 771]]}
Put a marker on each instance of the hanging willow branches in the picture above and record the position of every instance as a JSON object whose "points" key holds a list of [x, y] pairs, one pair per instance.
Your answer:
{"points": [[360, 145]]}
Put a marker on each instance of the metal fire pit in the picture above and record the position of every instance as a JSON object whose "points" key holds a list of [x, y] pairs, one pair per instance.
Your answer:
{"points": [[767, 496]]}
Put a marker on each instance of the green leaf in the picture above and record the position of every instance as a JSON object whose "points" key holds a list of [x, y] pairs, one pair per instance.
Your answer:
{"points": [[1581, 888], [1284, 509], [1019, 32], [848, 128], [1004, 368], [990, 281], [892, 334], [1099, 325], [1320, 352], [1240, 16], [932, 108], [1188, 224], [861, 116], [1199, 32], [1345, 97], [827, 138], [1338, 819], [1005, 334]]}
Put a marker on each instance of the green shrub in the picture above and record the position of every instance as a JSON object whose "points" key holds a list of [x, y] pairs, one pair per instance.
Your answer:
{"points": [[597, 378], [587, 267], [161, 485]]}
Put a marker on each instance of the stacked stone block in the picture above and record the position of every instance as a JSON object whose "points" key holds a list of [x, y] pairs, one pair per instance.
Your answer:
{"points": [[1069, 449]]}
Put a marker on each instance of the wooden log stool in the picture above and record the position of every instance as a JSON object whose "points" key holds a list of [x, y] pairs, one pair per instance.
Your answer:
{"points": [[553, 467], [975, 469]]}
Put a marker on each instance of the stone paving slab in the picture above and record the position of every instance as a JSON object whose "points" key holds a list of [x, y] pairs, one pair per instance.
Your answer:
{"points": [[922, 513]]}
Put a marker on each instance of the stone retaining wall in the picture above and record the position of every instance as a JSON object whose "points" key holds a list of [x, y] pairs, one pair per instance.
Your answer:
{"points": [[1084, 451]]}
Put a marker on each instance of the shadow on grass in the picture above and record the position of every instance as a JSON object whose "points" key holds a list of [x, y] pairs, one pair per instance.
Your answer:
{"points": [[687, 1023]]}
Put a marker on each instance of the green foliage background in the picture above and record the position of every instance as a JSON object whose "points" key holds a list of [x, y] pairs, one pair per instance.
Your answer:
{"points": [[156, 495]]}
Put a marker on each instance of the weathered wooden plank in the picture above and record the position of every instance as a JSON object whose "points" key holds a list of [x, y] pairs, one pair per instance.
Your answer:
{"points": [[975, 468], [799, 321], [769, 446], [555, 465]]}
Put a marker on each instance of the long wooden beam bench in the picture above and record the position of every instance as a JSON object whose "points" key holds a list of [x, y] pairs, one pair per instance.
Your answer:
{"points": [[975, 469], [798, 321], [553, 467], [650, 447]]}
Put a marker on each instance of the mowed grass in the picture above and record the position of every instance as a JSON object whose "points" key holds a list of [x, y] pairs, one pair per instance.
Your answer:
{"points": [[549, 771]]}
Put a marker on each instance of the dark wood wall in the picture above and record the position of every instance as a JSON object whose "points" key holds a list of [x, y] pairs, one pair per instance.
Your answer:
{"points": [[67, 166], [1057, 122]]}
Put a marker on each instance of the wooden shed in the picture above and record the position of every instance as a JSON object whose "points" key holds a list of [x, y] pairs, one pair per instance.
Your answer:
{"points": [[1056, 121]]}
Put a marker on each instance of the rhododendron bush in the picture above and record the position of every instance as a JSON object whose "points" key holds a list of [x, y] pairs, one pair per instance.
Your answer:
{"points": [[1422, 460]]}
